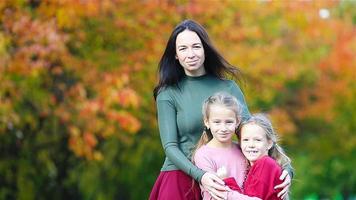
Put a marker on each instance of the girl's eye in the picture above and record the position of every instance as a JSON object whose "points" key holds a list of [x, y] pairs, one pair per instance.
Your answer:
{"points": [[197, 47], [181, 49], [244, 140]]}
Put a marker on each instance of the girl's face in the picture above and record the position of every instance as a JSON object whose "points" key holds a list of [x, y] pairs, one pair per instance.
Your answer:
{"points": [[254, 142], [190, 53], [222, 123]]}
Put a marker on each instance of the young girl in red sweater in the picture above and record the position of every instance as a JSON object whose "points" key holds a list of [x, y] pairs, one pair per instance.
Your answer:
{"points": [[258, 142]]}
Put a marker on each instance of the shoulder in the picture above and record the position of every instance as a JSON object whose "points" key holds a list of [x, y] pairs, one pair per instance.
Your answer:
{"points": [[236, 144], [232, 84], [265, 170], [165, 93], [267, 163], [236, 149], [232, 87], [229, 81], [202, 156], [225, 81], [267, 160], [202, 151]]}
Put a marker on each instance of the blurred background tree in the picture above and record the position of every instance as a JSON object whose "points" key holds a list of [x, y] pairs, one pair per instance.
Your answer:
{"points": [[77, 116]]}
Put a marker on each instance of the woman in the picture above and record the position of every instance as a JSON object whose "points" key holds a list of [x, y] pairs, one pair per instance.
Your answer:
{"points": [[190, 71]]}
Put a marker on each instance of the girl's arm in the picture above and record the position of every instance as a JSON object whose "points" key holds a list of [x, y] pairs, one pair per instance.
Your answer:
{"points": [[202, 161], [236, 195]]}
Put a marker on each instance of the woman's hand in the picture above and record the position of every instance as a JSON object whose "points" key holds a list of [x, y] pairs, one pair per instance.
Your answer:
{"points": [[283, 194], [214, 185]]}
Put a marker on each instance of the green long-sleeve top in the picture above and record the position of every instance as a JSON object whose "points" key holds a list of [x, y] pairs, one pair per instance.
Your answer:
{"points": [[180, 118]]}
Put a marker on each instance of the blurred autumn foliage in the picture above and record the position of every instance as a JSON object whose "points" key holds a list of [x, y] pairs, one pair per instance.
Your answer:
{"points": [[77, 116]]}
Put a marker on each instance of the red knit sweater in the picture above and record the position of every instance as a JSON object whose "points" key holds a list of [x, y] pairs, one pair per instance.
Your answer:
{"points": [[261, 180]]}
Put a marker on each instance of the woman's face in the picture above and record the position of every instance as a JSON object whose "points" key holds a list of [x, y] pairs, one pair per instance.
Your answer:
{"points": [[190, 53], [254, 142]]}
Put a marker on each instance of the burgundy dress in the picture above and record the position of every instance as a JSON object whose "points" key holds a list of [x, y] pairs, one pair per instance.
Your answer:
{"points": [[175, 185]]}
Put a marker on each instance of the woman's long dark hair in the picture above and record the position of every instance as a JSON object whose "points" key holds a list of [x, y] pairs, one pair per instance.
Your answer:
{"points": [[171, 72]]}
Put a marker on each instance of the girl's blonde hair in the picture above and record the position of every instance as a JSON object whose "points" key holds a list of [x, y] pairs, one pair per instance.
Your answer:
{"points": [[275, 151], [221, 98]]}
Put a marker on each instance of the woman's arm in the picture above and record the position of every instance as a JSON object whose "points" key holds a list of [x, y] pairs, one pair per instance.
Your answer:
{"points": [[283, 194], [169, 137], [286, 176], [289, 169]]}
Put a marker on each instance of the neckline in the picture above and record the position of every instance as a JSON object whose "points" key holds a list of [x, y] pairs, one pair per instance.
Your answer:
{"points": [[259, 160], [221, 148], [196, 78]]}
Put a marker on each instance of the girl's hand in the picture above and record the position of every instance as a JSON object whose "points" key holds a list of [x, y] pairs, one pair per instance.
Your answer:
{"points": [[214, 185], [283, 194]]}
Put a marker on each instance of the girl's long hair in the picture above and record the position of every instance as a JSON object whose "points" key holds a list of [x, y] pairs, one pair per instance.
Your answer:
{"points": [[275, 151], [171, 72]]}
